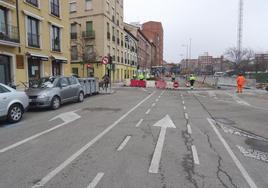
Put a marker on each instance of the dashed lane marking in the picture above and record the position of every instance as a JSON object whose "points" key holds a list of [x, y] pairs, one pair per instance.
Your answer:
{"points": [[189, 129], [153, 105], [186, 116], [124, 143], [195, 155], [148, 111], [68, 161], [96, 180], [139, 123]]}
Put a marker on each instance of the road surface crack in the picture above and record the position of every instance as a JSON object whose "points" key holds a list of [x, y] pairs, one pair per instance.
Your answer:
{"points": [[219, 166]]}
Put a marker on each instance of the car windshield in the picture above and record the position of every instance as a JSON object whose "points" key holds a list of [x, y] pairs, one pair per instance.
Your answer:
{"points": [[46, 82]]}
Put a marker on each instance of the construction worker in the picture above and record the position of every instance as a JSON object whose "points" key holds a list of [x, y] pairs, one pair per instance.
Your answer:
{"points": [[192, 80], [141, 76], [240, 80]]}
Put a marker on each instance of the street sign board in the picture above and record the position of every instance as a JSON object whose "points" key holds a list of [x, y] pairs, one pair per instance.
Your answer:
{"points": [[105, 60]]}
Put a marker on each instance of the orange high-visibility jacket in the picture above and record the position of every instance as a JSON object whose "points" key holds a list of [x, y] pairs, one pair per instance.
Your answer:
{"points": [[240, 80]]}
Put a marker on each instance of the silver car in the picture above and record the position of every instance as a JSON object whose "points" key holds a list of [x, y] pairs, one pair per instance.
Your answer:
{"points": [[54, 91], [12, 103]]}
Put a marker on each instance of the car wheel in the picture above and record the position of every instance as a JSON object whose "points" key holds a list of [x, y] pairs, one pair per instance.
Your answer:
{"points": [[55, 103], [81, 97], [15, 113]]}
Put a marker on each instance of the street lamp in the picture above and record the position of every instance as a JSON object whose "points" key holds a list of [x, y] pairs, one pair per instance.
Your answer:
{"points": [[186, 59]]}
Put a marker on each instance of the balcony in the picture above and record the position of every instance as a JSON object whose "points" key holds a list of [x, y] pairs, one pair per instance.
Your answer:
{"points": [[88, 34], [9, 33], [73, 36]]}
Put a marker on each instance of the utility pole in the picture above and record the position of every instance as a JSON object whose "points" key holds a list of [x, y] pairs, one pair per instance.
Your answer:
{"points": [[240, 30]]}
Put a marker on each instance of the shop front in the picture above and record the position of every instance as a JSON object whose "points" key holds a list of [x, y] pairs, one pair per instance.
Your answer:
{"points": [[58, 65], [35, 68]]}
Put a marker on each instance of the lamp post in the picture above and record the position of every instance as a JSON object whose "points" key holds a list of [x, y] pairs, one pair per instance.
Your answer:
{"points": [[187, 50]]}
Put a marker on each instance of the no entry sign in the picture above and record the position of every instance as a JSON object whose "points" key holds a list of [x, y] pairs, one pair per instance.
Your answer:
{"points": [[105, 60]]}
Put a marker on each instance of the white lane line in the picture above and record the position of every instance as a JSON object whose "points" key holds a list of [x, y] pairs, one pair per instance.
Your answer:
{"points": [[183, 102], [231, 153], [68, 161], [189, 129], [139, 123], [156, 100], [195, 155], [124, 143], [96, 180], [186, 116], [153, 105], [184, 107], [32, 138], [67, 117], [148, 111]]}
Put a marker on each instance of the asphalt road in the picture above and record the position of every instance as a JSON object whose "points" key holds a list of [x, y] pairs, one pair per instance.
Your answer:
{"points": [[141, 138]]}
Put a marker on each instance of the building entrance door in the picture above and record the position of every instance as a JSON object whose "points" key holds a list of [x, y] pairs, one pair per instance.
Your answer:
{"points": [[56, 68], [5, 69]]}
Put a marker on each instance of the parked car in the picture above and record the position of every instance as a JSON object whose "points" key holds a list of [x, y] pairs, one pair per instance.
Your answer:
{"points": [[12, 103], [54, 91]]}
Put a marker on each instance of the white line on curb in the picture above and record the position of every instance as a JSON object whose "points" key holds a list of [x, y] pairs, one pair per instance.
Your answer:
{"points": [[139, 123], [195, 155], [148, 111], [124, 143], [231, 153], [189, 129], [96, 180], [68, 161]]}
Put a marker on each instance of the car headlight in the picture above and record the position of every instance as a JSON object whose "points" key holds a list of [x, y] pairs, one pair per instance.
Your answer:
{"points": [[43, 95]]}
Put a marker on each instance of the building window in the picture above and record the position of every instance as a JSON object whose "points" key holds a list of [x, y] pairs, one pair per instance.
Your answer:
{"points": [[73, 7], [73, 31], [107, 7], [3, 21], [33, 2], [88, 4], [74, 53], [55, 7], [56, 39], [33, 32]]}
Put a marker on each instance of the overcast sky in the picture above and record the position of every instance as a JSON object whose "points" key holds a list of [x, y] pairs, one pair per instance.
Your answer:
{"points": [[212, 24]]}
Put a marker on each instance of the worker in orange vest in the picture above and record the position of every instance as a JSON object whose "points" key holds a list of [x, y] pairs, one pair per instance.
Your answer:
{"points": [[240, 80]]}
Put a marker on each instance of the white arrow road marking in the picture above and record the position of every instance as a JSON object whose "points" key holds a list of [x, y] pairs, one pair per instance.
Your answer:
{"points": [[96, 180], [164, 123], [139, 123], [68, 161], [195, 155], [231, 153], [124, 143], [67, 117]]}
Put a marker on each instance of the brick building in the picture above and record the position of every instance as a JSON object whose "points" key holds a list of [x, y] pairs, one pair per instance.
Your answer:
{"points": [[154, 32]]}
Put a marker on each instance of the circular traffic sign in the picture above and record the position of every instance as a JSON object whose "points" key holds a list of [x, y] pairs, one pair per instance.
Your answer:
{"points": [[105, 60]]}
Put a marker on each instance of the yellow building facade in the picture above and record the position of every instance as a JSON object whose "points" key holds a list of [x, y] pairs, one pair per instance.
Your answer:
{"points": [[97, 30], [42, 47]]}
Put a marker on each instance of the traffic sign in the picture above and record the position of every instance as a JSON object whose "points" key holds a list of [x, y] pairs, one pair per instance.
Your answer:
{"points": [[105, 60]]}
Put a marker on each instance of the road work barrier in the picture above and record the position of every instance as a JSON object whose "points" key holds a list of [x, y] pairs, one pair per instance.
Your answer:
{"points": [[225, 81], [137, 83], [160, 84]]}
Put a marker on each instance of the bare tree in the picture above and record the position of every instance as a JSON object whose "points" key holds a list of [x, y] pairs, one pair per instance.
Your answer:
{"points": [[86, 50], [247, 55]]}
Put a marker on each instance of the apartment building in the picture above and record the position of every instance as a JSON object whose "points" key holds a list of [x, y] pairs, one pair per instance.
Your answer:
{"points": [[146, 50], [155, 33], [97, 30], [37, 35]]}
